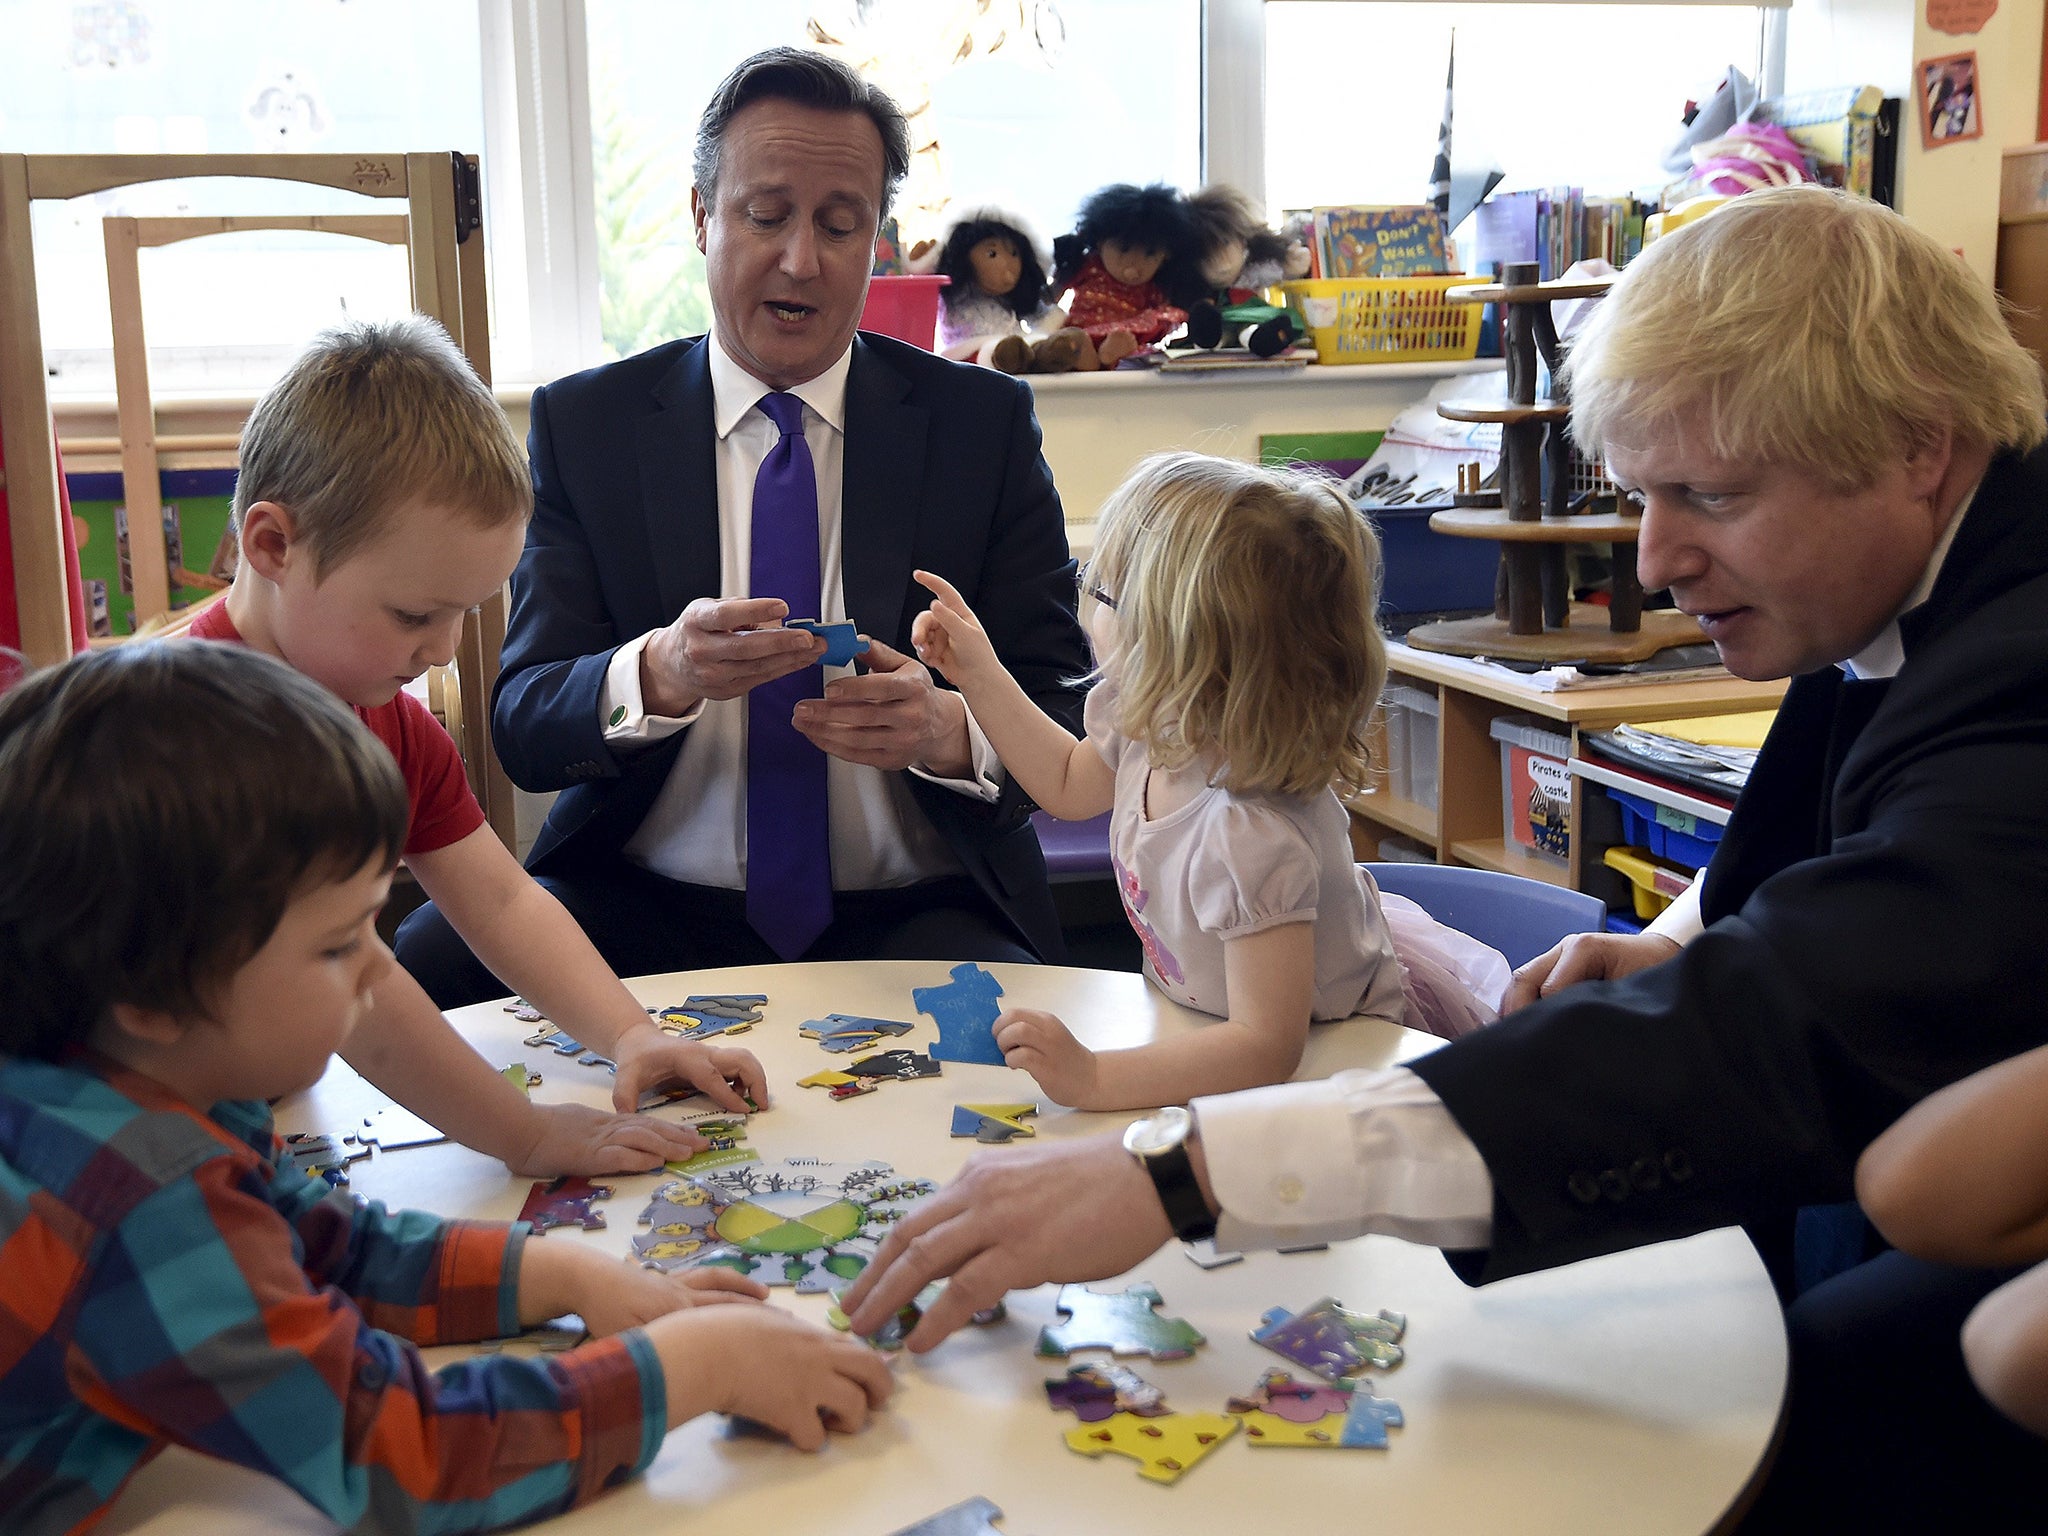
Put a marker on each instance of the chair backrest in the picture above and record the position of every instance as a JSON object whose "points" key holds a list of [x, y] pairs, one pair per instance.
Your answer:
{"points": [[1517, 916], [441, 229]]}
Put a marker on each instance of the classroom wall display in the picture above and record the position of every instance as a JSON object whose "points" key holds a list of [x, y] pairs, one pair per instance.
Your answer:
{"points": [[1951, 109], [1960, 17], [200, 554]]}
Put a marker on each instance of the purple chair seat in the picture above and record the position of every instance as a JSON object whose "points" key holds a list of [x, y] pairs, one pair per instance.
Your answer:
{"points": [[1074, 850]]}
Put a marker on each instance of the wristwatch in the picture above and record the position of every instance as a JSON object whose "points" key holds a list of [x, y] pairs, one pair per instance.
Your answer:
{"points": [[1160, 1144]]}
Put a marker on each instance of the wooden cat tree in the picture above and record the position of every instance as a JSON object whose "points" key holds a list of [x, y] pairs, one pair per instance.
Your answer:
{"points": [[1534, 618]]}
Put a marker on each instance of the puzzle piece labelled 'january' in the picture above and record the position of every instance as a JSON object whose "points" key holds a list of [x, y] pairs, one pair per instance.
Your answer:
{"points": [[564, 1202], [1124, 1323], [1332, 1340], [992, 1123], [965, 1009], [1163, 1448], [970, 1517]]}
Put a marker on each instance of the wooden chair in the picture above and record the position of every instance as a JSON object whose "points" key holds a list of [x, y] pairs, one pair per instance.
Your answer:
{"points": [[441, 228]]}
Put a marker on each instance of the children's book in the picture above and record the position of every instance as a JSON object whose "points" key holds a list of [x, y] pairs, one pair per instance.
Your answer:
{"points": [[1381, 242]]}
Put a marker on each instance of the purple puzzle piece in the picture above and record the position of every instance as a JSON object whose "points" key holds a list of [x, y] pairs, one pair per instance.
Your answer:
{"points": [[1094, 1392], [1331, 1340], [564, 1202], [965, 1009]]}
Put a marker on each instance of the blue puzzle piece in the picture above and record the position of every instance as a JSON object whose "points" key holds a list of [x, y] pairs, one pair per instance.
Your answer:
{"points": [[1368, 1420], [555, 1040], [842, 639], [965, 1009]]}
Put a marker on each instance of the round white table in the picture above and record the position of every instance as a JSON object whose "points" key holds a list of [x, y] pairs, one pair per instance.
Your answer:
{"points": [[1636, 1392]]}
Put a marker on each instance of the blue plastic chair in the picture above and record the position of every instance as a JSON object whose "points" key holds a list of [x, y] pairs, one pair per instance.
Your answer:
{"points": [[1519, 917]]}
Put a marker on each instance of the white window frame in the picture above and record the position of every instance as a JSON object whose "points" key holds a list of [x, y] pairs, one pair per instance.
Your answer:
{"points": [[539, 192]]}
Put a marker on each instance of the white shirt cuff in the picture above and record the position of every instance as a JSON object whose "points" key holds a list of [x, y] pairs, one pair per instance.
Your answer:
{"points": [[620, 710], [987, 783], [1680, 922], [1363, 1151]]}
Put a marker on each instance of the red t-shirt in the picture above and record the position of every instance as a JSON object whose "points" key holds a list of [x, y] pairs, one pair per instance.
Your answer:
{"points": [[444, 810]]}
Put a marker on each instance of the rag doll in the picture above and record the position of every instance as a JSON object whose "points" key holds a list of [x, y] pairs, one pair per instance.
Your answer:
{"points": [[995, 309], [1239, 256], [1132, 250]]}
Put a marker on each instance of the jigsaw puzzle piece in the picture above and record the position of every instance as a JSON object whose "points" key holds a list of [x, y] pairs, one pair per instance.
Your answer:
{"points": [[395, 1127], [1093, 1392], [852, 1088], [841, 1045], [1332, 1340], [965, 1009], [525, 1012], [906, 1065], [555, 1040], [841, 636], [1164, 1448], [993, 1123], [1316, 1416], [1124, 1323], [970, 1517], [564, 1202], [516, 1074], [826, 1080], [323, 1156]]}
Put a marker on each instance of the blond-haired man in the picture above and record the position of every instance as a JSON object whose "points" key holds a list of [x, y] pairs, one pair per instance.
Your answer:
{"points": [[1836, 445]]}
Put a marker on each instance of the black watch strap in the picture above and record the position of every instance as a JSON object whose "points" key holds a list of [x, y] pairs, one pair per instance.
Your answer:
{"points": [[1173, 1175]]}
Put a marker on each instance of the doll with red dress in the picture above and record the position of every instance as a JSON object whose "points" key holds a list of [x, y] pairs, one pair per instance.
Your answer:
{"points": [[1133, 250]]}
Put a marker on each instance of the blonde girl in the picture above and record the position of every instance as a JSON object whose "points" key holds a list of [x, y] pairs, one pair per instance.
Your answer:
{"points": [[1232, 610]]}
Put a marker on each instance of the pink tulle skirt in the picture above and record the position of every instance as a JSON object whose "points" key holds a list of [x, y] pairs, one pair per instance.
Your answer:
{"points": [[1452, 982]]}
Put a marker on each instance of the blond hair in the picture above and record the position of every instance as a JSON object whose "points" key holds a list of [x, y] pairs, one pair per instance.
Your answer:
{"points": [[1246, 620], [1814, 329], [373, 418]]}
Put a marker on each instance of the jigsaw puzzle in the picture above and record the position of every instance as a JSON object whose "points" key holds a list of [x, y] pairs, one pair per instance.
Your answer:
{"points": [[525, 1012], [725, 1137], [516, 1074], [970, 1517], [842, 639], [551, 1037], [890, 1336], [850, 1032], [800, 1222], [993, 1123], [1318, 1415], [1164, 1448], [1333, 1341], [394, 1127], [1124, 1323], [905, 1065], [1093, 1392], [965, 1009], [564, 1202], [324, 1157]]}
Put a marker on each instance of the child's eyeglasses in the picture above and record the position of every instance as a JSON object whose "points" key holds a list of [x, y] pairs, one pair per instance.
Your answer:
{"points": [[1092, 588]]}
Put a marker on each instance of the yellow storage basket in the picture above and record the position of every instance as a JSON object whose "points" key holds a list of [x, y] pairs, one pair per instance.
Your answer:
{"points": [[1387, 319], [1653, 883]]}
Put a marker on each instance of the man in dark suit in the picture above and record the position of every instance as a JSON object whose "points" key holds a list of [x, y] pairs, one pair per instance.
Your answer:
{"points": [[721, 801], [1837, 447]]}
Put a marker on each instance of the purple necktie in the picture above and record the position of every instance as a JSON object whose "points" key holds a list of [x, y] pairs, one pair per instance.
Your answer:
{"points": [[789, 851]]}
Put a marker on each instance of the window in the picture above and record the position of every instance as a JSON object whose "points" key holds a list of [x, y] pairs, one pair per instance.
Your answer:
{"points": [[1032, 104], [225, 76], [1565, 94]]}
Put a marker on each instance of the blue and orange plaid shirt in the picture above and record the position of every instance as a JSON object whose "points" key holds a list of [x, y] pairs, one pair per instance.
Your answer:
{"points": [[163, 1280]]}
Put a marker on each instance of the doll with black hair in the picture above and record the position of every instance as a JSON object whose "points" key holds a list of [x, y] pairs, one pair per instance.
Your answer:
{"points": [[1239, 256], [1132, 251], [996, 309]]}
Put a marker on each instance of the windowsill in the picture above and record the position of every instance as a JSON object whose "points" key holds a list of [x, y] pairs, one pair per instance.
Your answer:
{"points": [[1313, 374]]}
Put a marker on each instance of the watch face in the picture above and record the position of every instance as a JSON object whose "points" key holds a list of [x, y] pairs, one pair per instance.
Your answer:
{"points": [[1168, 1128]]}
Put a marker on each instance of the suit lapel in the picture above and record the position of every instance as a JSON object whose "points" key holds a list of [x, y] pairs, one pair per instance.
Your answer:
{"points": [[679, 482], [881, 494]]}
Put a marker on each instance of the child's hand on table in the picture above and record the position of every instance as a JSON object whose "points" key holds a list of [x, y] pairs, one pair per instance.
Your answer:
{"points": [[1040, 1044], [949, 638], [762, 1364], [575, 1138], [628, 1296], [649, 1058]]}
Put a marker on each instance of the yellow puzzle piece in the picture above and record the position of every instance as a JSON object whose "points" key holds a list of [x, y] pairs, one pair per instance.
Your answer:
{"points": [[826, 1080], [1164, 1448], [1008, 1114]]}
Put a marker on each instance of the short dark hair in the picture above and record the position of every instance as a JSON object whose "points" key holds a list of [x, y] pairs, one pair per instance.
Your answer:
{"points": [[809, 80], [161, 803]]}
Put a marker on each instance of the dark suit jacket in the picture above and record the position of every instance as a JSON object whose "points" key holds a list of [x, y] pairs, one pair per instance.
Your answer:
{"points": [[1877, 926], [942, 471]]}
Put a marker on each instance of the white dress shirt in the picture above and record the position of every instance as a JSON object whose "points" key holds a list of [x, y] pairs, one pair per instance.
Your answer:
{"points": [[1377, 1151], [696, 830]]}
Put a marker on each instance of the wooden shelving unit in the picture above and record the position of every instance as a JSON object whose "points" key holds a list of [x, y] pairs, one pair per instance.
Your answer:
{"points": [[1465, 826]]}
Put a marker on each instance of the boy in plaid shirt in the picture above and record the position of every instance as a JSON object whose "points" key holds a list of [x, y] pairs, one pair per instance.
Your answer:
{"points": [[194, 845]]}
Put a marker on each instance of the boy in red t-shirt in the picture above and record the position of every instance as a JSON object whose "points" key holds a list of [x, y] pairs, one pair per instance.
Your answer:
{"points": [[382, 497]]}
